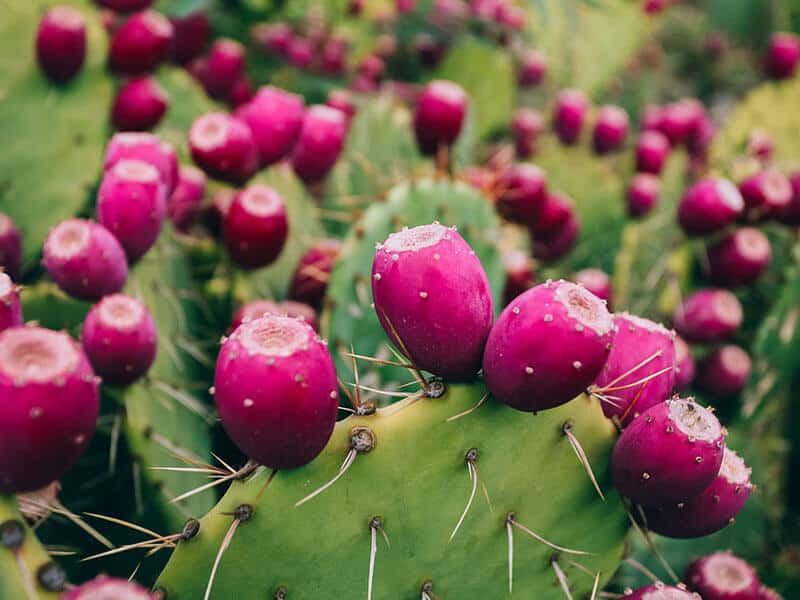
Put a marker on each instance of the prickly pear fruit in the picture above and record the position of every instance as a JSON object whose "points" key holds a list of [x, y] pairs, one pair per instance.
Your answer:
{"points": [[10, 246], [224, 66], [709, 205], [725, 371], [680, 119], [739, 258], [684, 364], [223, 147], [256, 226], [723, 576], [276, 391], [708, 316], [570, 115], [439, 115], [190, 34], [141, 43], [61, 43], [532, 69], [51, 403], [319, 143], [139, 105], [258, 308], [148, 148], [668, 453], [790, 215], [555, 210], [311, 275], [610, 129], [659, 591], [642, 194], [426, 281], [10, 307], [519, 274], [652, 151], [108, 588], [783, 54], [85, 259], [597, 282], [185, 203], [556, 245], [342, 100], [125, 5], [521, 191], [765, 194], [547, 346], [274, 117], [526, 127]]}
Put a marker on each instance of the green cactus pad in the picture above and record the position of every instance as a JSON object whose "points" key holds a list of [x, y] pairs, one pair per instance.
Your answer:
{"points": [[44, 303], [417, 482]]}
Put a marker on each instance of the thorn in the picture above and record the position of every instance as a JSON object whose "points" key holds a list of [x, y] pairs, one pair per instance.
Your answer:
{"points": [[539, 538], [375, 524], [59, 508], [469, 411], [25, 575], [595, 586], [609, 386], [509, 520], [649, 540], [127, 524], [562, 578], [642, 569], [159, 542], [379, 361], [396, 337], [641, 381], [566, 429], [114, 444], [226, 541], [245, 471], [474, 479]]}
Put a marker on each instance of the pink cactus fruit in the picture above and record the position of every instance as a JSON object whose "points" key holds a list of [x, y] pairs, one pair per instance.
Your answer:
{"points": [[10, 247], [259, 308], [274, 117], [186, 202], [782, 56], [148, 148], [319, 143], [241, 93], [224, 66], [709, 511], [610, 129], [141, 43], [342, 100], [426, 281], [256, 227], [670, 452], [709, 205], [679, 120], [547, 346], [569, 115], [215, 213], [760, 144], [521, 190], [190, 35], [139, 105], [311, 276], [684, 364], [739, 258], [124, 6], [532, 69], [108, 588], [790, 214], [556, 245], [640, 370], [85, 259], [132, 204], [273, 38], [660, 591], [276, 391], [224, 147], [51, 403], [597, 282], [439, 115], [61, 43], [652, 151], [642, 194], [519, 274], [725, 371], [526, 127], [765, 194], [119, 337], [722, 576], [555, 211], [10, 307], [708, 316]]}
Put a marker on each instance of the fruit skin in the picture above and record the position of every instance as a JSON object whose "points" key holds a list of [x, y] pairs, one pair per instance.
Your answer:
{"points": [[61, 43], [526, 127], [185, 203], [139, 105], [439, 115], [224, 66], [790, 214], [708, 206], [739, 579], [132, 204], [91, 269], [659, 591], [241, 93], [108, 587], [684, 364], [569, 115], [274, 117], [140, 44], [610, 130], [273, 38], [547, 346], [223, 147], [190, 35], [148, 148], [679, 120], [277, 402], [319, 143], [426, 282], [310, 278], [739, 258], [555, 211], [532, 69], [765, 194], [342, 100], [521, 190], [725, 371], [597, 282], [709, 511], [760, 145], [656, 461], [10, 247], [120, 351], [708, 316], [652, 151], [288, 308], [558, 244], [49, 414], [636, 341], [519, 274], [642, 194], [10, 307], [125, 5], [783, 53], [256, 227]]}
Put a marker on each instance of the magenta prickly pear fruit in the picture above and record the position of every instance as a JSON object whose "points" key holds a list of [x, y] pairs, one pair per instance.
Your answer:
{"points": [[50, 407], [333, 60], [547, 346], [790, 214], [61, 43], [739, 258], [526, 127], [725, 371], [148, 148], [650, 118], [276, 391], [642, 194], [190, 35], [426, 281], [223, 147], [300, 52], [372, 67], [10, 246], [709, 205], [765, 194], [640, 371], [700, 139], [119, 337], [708, 316], [558, 244], [141, 43], [273, 38], [684, 364], [124, 6], [319, 143], [103, 588], [241, 92], [10, 307], [610, 129], [782, 56], [85, 259], [429, 50], [224, 66], [521, 190], [680, 119], [274, 117], [569, 115], [660, 591], [439, 115], [597, 282], [132, 204], [342, 100], [256, 227], [532, 69], [709, 511], [258, 308], [215, 213], [139, 105], [723, 576], [555, 211], [312, 273], [652, 151], [670, 452], [185, 203], [760, 145], [519, 274]]}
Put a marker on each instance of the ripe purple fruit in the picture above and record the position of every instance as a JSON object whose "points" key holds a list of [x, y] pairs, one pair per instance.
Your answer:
{"points": [[782, 55], [104, 587], [427, 285], [597, 282], [519, 274], [709, 511], [725, 371], [610, 129], [680, 119], [85, 259], [139, 105], [554, 212], [276, 391], [760, 144], [223, 147], [558, 244], [532, 69], [547, 346], [790, 214], [723, 576], [274, 117], [241, 92], [439, 115], [273, 38], [640, 370], [190, 34], [10, 307], [659, 591], [256, 227], [319, 143], [521, 190], [145, 147], [765, 194], [119, 337], [569, 115], [312, 273], [642, 194], [61, 43], [123, 6], [132, 204], [708, 316], [10, 246], [684, 364], [224, 66], [652, 151], [300, 52], [185, 203], [739, 258], [709, 205], [342, 100], [526, 127], [141, 43], [258, 308], [50, 407]]}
